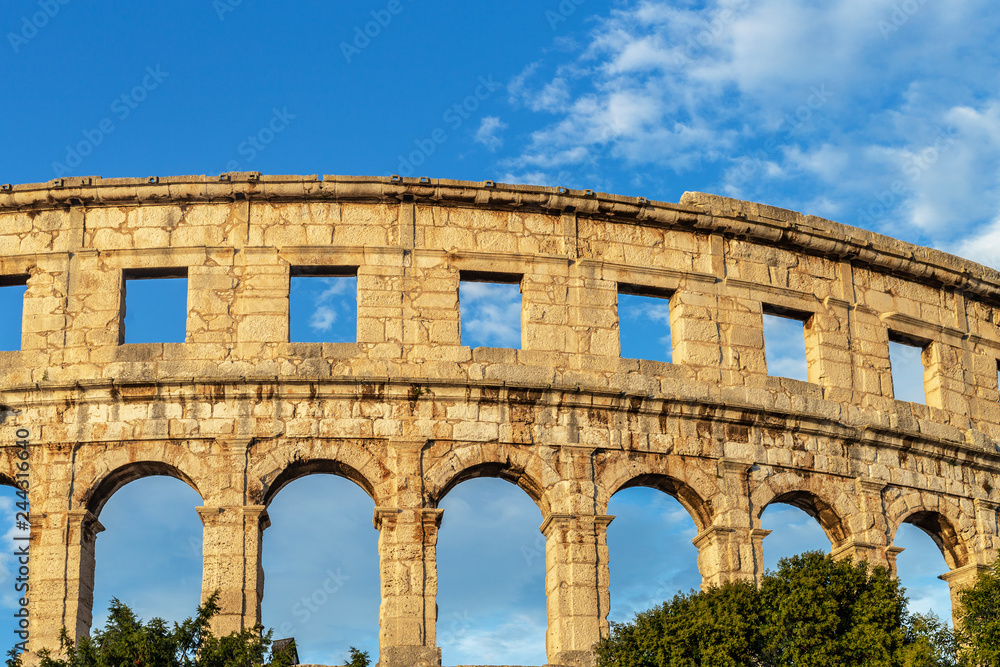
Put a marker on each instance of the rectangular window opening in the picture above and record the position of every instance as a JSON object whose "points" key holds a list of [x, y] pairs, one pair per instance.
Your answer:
{"points": [[490, 309], [785, 342], [12, 290], [998, 372], [907, 365], [644, 323], [154, 306], [323, 304]]}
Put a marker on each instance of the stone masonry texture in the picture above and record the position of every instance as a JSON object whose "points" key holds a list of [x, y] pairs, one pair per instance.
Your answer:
{"points": [[237, 411]]}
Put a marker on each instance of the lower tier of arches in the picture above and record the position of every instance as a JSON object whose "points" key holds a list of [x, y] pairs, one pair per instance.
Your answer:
{"points": [[575, 551]]}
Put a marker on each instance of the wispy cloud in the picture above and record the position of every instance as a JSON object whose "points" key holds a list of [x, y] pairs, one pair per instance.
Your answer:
{"points": [[490, 133], [813, 106], [491, 315], [323, 318], [336, 293]]}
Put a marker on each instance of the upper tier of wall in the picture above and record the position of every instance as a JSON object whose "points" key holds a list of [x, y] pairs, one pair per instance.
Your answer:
{"points": [[723, 262]]}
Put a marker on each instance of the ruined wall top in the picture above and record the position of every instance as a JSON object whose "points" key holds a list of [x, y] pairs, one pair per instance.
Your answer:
{"points": [[696, 211], [723, 264]]}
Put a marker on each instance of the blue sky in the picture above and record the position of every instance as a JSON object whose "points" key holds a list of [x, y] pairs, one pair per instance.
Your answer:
{"points": [[883, 114]]}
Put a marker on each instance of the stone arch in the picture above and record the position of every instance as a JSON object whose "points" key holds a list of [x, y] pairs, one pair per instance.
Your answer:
{"points": [[683, 480], [940, 518], [276, 463], [824, 499], [465, 461], [97, 494]]}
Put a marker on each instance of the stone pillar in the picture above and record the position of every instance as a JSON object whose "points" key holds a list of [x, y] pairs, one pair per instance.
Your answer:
{"points": [[959, 579], [868, 529], [576, 586], [62, 576], [731, 548], [232, 564], [407, 546], [987, 528], [729, 554], [945, 376]]}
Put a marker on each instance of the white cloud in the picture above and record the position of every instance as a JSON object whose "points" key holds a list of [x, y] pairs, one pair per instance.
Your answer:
{"points": [[982, 247], [804, 105], [515, 641], [491, 315], [323, 318], [336, 292], [489, 133]]}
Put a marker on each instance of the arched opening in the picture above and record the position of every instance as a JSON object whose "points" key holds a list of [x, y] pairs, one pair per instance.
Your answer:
{"points": [[491, 576], [321, 566], [796, 525], [15, 534], [928, 543], [150, 553], [651, 556]]}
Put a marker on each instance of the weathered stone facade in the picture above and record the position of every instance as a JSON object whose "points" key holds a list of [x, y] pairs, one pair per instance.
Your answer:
{"points": [[407, 412]]}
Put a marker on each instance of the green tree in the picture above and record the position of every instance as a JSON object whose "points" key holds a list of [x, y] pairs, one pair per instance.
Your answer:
{"points": [[717, 627], [358, 658], [813, 611], [979, 620], [821, 612], [930, 642], [126, 640]]}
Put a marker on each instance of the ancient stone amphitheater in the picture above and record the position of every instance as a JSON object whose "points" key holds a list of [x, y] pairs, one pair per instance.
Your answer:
{"points": [[407, 412]]}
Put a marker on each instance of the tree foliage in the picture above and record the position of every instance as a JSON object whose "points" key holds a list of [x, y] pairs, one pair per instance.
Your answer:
{"points": [[358, 658], [126, 640], [813, 611], [979, 620]]}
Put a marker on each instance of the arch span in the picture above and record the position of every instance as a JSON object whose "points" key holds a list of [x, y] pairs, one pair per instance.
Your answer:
{"points": [[824, 501], [276, 463], [98, 495], [680, 479], [942, 520], [466, 461]]}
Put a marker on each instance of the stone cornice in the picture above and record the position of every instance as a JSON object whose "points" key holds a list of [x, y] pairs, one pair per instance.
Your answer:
{"points": [[946, 442]]}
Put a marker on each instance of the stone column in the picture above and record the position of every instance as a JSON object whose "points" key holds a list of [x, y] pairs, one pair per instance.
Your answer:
{"points": [[730, 554], [232, 564], [407, 546], [61, 576], [731, 548], [576, 586], [868, 529], [987, 528], [959, 579]]}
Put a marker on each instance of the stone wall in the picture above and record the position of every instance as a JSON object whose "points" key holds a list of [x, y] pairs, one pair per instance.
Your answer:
{"points": [[237, 411]]}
